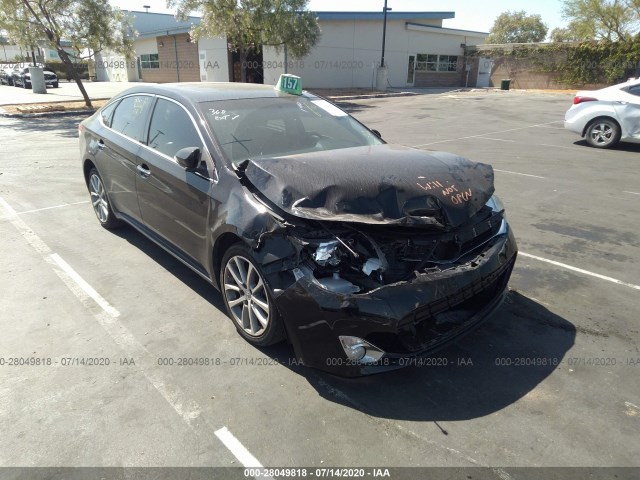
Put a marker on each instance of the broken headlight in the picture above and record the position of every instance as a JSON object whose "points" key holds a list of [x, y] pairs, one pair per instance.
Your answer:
{"points": [[496, 204], [327, 254]]}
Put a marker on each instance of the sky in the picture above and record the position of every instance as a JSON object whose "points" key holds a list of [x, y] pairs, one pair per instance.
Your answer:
{"points": [[470, 14]]}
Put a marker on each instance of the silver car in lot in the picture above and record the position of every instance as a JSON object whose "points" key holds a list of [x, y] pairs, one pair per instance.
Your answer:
{"points": [[608, 116]]}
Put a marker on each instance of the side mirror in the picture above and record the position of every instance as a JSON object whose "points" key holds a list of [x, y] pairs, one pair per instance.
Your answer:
{"points": [[377, 133], [189, 157]]}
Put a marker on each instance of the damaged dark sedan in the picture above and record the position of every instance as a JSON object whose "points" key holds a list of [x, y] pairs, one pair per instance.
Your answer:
{"points": [[363, 255]]}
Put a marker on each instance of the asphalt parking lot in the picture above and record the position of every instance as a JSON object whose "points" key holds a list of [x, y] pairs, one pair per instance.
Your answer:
{"points": [[551, 380]]}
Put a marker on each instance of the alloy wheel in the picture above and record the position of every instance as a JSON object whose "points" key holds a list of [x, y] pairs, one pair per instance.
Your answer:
{"points": [[602, 134], [246, 295], [99, 198]]}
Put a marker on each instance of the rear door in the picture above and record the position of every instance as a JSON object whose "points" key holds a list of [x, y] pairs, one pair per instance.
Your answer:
{"points": [[116, 148], [628, 112], [174, 203]]}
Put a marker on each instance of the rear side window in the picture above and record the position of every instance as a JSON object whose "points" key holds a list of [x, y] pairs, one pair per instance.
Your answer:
{"points": [[635, 90], [106, 113], [131, 115], [171, 129]]}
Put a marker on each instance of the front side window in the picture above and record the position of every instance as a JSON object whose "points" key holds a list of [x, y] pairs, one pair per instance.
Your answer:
{"points": [[150, 60], [262, 127], [171, 129], [131, 115]]}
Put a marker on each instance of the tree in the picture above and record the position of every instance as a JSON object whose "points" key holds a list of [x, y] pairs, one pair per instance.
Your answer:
{"points": [[610, 20], [250, 24], [89, 25], [518, 27], [567, 34]]}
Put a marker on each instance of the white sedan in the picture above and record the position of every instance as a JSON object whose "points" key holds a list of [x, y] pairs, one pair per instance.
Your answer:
{"points": [[607, 116]]}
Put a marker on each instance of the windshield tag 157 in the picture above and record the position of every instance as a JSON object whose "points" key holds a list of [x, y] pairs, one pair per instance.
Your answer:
{"points": [[290, 84]]}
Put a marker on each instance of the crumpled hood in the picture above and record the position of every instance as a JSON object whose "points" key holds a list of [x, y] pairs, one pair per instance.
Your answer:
{"points": [[382, 184]]}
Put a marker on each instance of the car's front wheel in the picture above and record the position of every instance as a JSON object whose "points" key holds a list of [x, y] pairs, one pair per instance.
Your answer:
{"points": [[248, 298], [603, 133], [100, 201]]}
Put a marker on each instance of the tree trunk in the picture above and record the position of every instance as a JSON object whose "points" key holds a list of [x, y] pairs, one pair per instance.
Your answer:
{"points": [[72, 73]]}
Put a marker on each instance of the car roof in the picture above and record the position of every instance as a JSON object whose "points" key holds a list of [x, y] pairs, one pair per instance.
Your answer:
{"points": [[199, 92]]}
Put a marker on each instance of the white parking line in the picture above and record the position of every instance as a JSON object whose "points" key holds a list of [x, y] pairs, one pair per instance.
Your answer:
{"points": [[55, 206], [517, 173], [243, 455], [9, 213], [496, 139], [580, 270], [632, 193], [81, 282], [485, 134], [186, 408]]}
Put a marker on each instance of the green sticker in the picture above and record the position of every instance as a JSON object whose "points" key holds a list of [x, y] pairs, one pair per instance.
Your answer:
{"points": [[290, 84]]}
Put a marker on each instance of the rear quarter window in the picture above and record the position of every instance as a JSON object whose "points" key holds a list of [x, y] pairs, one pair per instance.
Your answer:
{"points": [[130, 116], [107, 112]]}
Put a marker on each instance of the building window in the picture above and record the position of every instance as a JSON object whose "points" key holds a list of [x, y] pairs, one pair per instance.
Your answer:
{"points": [[150, 60], [436, 63]]}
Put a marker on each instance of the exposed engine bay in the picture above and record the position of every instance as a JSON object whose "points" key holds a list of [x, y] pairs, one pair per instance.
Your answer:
{"points": [[351, 259]]}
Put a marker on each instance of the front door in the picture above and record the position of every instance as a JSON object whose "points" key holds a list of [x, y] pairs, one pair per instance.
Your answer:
{"points": [[411, 71], [628, 112], [174, 203], [484, 72]]}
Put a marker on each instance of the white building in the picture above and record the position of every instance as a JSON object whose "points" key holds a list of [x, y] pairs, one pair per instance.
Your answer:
{"points": [[419, 52]]}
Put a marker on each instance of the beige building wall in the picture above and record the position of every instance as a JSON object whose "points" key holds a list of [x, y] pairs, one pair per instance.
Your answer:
{"points": [[213, 57], [177, 59], [349, 52]]}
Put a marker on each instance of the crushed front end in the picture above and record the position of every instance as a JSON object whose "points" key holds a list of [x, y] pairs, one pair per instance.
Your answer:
{"points": [[366, 298], [381, 253]]}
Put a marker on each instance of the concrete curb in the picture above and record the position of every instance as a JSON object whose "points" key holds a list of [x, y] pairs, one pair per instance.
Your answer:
{"points": [[64, 113], [374, 95]]}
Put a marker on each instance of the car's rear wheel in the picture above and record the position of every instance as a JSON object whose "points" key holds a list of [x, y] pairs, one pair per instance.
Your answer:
{"points": [[100, 201], [603, 133], [248, 298]]}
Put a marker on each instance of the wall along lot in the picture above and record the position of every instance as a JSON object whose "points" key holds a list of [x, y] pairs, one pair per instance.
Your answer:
{"points": [[72, 290]]}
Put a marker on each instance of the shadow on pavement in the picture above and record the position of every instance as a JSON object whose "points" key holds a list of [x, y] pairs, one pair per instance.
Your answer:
{"points": [[622, 147], [172, 265], [62, 126], [484, 372]]}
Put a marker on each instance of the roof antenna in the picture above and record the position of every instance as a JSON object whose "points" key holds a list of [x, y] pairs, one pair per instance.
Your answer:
{"points": [[146, 7]]}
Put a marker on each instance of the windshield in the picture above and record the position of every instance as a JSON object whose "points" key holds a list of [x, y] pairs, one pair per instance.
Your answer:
{"points": [[258, 127]]}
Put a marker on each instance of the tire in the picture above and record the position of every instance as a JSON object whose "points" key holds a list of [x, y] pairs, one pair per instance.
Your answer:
{"points": [[248, 298], [55, 85], [603, 133], [100, 202]]}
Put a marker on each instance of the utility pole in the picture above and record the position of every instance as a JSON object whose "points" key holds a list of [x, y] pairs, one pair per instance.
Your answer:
{"points": [[384, 31]]}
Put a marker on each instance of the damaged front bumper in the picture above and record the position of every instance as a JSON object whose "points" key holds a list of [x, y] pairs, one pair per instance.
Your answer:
{"points": [[400, 321]]}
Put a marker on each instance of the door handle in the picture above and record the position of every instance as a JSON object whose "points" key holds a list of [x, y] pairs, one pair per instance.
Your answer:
{"points": [[144, 171], [101, 145]]}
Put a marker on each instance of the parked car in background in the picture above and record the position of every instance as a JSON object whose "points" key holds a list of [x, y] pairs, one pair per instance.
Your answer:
{"points": [[608, 116], [363, 255], [22, 78], [5, 74]]}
